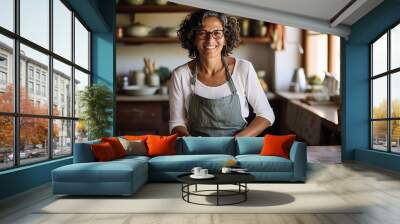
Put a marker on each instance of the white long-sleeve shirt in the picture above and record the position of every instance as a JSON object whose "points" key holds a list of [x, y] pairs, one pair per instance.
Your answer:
{"points": [[246, 82]]}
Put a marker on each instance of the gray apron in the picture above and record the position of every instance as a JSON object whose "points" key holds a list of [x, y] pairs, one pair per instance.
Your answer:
{"points": [[215, 117]]}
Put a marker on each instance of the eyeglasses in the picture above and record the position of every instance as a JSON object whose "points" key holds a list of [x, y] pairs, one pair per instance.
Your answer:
{"points": [[216, 34]]}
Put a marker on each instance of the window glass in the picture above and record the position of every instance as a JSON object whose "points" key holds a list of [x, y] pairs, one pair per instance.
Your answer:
{"points": [[62, 29], [81, 45], [81, 131], [395, 47], [62, 138], [6, 142], [379, 98], [379, 56], [34, 21], [395, 95], [395, 136], [379, 135], [62, 91], [34, 81], [81, 81], [7, 14], [6, 74], [33, 140], [39, 62]]}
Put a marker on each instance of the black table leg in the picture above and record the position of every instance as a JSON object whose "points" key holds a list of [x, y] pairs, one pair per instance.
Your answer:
{"points": [[245, 193], [217, 194], [188, 190]]}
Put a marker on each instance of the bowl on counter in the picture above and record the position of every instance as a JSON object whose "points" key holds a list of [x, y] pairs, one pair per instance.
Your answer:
{"points": [[137, 30], [135, 2], [136, 90]]}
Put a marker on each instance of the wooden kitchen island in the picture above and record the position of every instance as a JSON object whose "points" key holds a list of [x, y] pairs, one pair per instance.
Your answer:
{"points": [[142, 115], [150, 114], [316, 124]]}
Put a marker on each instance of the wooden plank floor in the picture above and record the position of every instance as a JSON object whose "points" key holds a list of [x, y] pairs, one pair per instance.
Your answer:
{"points": [[378, 189]]}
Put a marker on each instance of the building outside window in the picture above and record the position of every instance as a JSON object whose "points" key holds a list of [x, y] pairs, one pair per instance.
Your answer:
{"points": [[385, 94], [43, 90], [37, 75], [30, 72], [3, 72], [3, 78], [3, 61], [30, 87], [34, 75], [44, 78]]}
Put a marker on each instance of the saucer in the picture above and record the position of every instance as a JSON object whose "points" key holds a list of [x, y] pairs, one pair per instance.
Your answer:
{"points": [[208, 176]]}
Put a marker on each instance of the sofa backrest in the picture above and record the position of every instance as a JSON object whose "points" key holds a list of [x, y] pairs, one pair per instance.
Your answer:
{"points": [[206, 145], [249, 145], [83, 152], [190, 146]]}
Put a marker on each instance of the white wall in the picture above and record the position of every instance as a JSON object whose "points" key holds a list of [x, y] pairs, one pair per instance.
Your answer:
{"points": [[288, 60]]}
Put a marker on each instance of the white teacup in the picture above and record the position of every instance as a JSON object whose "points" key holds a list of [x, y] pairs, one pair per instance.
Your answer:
{"points": [[203, 172], [196, 170], [226, 170]]}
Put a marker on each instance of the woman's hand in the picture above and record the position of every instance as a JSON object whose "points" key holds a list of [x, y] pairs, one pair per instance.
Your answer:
{"points": [[180, 131], [257, 126]]}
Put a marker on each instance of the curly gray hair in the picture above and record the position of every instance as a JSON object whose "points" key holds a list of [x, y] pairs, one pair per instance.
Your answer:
{"points": [[194, 22]]}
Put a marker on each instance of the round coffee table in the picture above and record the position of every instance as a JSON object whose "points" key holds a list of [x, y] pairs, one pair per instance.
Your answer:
{"points": [[238, 179]]}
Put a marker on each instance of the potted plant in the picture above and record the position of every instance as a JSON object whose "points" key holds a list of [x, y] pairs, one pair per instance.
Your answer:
{"points": [[96, 104]]}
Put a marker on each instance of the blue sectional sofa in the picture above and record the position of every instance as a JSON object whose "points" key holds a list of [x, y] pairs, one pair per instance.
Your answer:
{"points": [[125, 176]]}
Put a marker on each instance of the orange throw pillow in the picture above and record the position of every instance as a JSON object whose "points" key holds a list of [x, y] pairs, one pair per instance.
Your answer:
{"points": [[161, 145], [116, 145], [277, 145], [103, 151], [135, 137]]}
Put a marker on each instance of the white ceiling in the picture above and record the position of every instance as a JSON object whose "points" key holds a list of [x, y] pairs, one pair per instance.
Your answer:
{"points": [[321, 9], [317, 15]]}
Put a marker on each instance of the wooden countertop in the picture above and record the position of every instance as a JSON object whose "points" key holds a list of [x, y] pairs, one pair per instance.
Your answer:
{"points": [[328, 112], [150, 98], [162, 98]]}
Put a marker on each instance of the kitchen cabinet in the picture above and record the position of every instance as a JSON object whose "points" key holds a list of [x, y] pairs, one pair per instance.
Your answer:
{"points": [[142, 115]]}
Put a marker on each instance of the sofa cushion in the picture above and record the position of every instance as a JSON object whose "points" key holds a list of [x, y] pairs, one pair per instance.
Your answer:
{"points": [[103, 152], [111, 171], [277, 145], [249, 145], [257, 163], [185, 163], [131, 158], [133, 147], [207, 145], [161, 145], [116, 145]]}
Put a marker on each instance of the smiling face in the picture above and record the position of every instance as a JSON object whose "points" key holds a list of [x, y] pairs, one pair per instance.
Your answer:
{"points": [[210, 47]]}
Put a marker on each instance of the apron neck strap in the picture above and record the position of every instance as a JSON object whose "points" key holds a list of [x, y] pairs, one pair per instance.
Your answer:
{"points": [[227, 73]]}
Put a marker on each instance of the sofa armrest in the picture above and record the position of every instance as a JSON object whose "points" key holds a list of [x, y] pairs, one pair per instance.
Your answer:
{"points": [[83, 152], [298, 155]]}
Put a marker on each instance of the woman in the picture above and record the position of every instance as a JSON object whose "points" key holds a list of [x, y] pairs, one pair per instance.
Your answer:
{"points": [[209, 95]]}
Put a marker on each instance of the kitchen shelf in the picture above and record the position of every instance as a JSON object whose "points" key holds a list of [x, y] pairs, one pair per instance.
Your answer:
{"points": [[147, 40], [165, 40], [125, 8], [256, 40]]}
